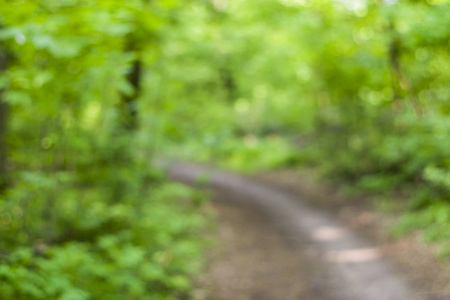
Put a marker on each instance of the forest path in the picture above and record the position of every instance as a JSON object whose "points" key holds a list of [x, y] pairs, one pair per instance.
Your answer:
{"points": [[276, 246]]}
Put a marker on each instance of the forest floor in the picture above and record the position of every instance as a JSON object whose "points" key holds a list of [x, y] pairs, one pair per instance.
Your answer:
{"points": [[255, 262], [429, 274], [262, 257]]}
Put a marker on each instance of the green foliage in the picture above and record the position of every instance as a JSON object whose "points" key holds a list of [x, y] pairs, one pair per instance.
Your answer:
{"points": [[153, 251], [247, 153], [360, 86], [86, 215]]}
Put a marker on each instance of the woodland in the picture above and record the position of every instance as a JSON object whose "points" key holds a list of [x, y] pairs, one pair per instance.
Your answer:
{"points": [[93, 92]]}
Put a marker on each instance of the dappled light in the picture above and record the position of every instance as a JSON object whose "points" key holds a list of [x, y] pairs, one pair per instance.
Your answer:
{"points": [[328, 233], [353, 255]]}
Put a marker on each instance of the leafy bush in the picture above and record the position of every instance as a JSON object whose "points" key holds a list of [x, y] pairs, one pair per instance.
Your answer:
{"points": [[84, 214], [90, 248]]}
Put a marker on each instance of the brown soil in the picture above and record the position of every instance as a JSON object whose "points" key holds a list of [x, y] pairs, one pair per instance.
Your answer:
{"points": [[254, 262]]}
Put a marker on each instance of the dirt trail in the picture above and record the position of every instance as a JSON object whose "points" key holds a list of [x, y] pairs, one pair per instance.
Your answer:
{"points": [[277, 247], [254, 261]]}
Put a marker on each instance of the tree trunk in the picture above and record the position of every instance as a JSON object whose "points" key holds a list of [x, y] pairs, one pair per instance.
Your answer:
{"points": [[3, 126], [129, 101], [228, 84], [402, 85]]}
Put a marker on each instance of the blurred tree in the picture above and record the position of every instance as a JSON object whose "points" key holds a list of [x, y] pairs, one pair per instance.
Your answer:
{"points": [[133, 47], [134, 78], [143, 19], [3, 124]]}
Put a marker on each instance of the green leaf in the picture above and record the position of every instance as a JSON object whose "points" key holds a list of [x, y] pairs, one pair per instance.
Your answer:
{"points": [[18, 98]]}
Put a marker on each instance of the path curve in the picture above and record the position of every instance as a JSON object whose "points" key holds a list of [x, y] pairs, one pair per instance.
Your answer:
{"points": [[355, 269]]}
